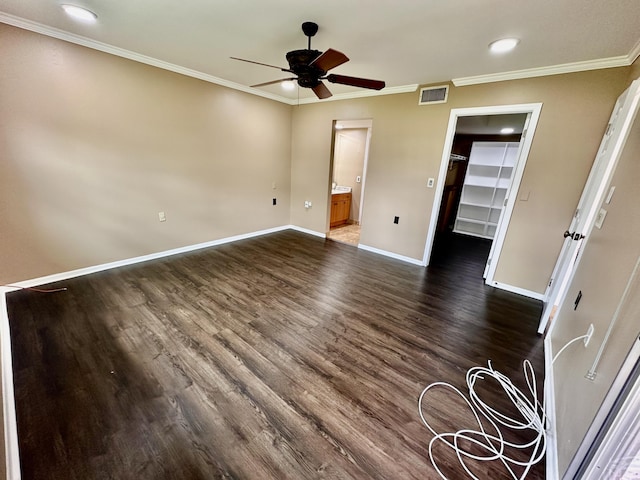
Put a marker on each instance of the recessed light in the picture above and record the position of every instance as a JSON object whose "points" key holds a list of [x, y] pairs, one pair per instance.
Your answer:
{"points": [[79, 13], [288, 85], [503, 45], [507, 130]]}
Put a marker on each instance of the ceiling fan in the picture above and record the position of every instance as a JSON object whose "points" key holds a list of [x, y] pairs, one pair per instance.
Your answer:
{"points": [[311, 67]]}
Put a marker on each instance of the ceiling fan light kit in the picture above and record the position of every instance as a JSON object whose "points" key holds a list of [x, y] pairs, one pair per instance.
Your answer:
{"points": [[310, 68]]}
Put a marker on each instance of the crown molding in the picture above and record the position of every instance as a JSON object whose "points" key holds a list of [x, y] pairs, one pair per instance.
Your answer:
{"points": [[154, 62], [635, 53], [136, 57], [621, 61]]}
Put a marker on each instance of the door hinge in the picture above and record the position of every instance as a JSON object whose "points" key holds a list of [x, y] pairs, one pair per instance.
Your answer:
{"points": [[505, 202], [489, 262], [550, 283], [524, 134]]}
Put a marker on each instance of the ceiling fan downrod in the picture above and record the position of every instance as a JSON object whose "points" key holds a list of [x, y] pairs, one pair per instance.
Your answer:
{"points": [[309, 29]]}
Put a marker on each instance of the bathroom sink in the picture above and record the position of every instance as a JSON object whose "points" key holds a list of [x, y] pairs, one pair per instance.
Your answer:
{"points": [[339, 189]]}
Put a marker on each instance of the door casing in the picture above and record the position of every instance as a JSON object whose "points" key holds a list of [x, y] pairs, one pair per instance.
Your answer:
{"points": [[533, 114], [367, 124]]}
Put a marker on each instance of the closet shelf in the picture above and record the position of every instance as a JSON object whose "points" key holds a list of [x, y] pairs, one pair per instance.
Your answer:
{"points": [[485, 187]]}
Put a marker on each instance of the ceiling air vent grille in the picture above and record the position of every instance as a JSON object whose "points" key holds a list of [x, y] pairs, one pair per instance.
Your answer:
{"points": [[431, 95]]}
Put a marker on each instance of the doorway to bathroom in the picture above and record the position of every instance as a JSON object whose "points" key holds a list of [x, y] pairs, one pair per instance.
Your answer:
{"points": [[349, 156]]}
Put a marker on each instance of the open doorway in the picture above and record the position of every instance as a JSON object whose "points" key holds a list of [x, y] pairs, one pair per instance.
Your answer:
{"points": [[350, 152], [480, 173], [480, 169]]}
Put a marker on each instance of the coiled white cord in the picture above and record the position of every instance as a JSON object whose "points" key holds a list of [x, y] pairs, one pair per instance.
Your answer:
{"points": [[494, 446]]}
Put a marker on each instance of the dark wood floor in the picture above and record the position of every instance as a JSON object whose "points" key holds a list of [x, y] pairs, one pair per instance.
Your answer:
{"points": [[280, 357]]}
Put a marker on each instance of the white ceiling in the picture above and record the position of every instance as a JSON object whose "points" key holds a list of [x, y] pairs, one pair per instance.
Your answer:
{"points": [[404, 42]]}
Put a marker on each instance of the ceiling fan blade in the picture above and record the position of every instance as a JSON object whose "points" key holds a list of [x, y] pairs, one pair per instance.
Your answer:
{"points": [[263, 64], [321, 91], [329, 59], [356, 82], [273, 82]]}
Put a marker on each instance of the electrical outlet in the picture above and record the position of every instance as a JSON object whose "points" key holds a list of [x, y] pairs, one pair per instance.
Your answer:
{"points": [[430, 182], [162, 217], [396, 220], [587, 339]]}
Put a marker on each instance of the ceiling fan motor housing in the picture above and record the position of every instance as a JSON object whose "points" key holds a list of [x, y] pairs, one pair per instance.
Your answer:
{"points": [[299, 63], [311, 67]]}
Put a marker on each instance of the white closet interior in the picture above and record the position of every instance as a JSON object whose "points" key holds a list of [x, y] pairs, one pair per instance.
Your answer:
{"points": [[489, 173]]}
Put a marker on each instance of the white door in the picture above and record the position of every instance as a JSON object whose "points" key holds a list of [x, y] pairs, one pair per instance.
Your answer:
{"points": [[592, 197]]}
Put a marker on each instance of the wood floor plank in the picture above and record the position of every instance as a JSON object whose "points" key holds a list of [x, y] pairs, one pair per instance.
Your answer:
{"points": [[280, 357]]}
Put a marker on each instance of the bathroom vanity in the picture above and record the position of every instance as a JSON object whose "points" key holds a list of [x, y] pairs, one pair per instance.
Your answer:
{"points": [[340, 206]]}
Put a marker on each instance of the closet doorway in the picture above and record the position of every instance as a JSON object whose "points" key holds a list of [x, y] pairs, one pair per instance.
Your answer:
{"points": [[350, 152], [483, 162]]}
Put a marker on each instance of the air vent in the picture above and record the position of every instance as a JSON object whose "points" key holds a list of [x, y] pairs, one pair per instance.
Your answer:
{"points": [[431, 95]]}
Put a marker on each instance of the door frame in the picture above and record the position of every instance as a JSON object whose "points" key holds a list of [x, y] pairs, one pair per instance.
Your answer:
{"points": [[365, 123], [533, 115]]}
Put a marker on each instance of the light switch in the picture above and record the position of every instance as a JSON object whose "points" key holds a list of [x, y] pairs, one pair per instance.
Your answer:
{"points": [[162, 217], [358, 179]]}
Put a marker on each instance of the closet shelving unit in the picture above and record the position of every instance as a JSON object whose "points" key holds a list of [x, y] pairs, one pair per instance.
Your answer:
{"points": [[488, 177]]}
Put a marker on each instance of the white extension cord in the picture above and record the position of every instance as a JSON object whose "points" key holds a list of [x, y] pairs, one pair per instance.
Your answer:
{"points": [[494, 446]]}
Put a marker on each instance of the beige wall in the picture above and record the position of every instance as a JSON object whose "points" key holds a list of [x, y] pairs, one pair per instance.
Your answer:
{"points": [[406, 148], [602, 276], [93, 146]]}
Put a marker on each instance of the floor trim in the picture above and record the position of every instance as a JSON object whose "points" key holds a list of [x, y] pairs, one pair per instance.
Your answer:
{"points": [[56, 277], [520, 291], [307, 231], [392, 255], [551, 457]]}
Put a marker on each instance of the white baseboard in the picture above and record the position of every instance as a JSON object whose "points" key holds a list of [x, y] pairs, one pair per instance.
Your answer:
{"points": [[520, 291], [413, 261], [550, 410], [307, 231], [12, 455], [57, 277]]}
